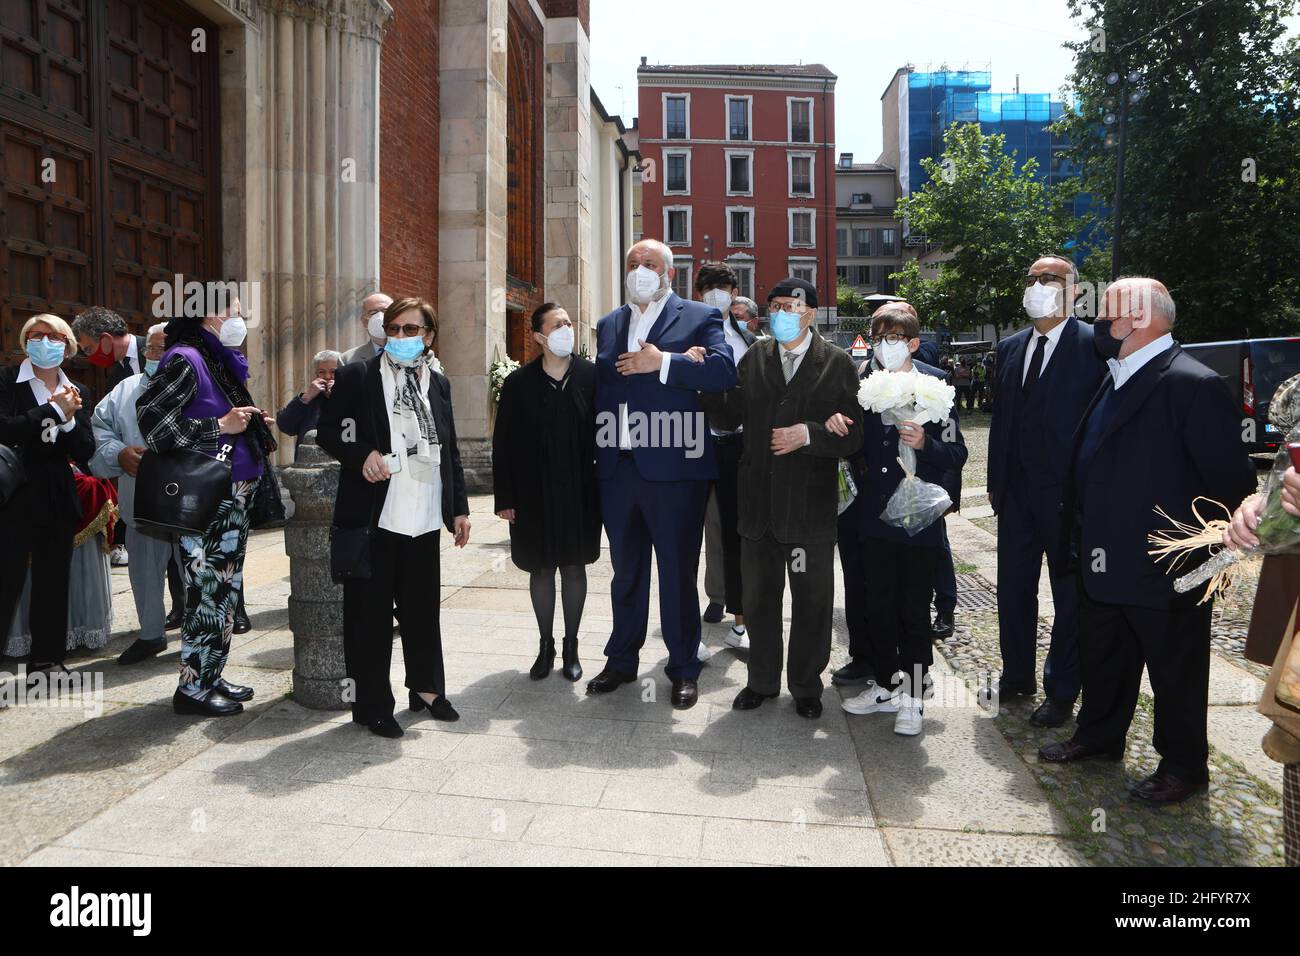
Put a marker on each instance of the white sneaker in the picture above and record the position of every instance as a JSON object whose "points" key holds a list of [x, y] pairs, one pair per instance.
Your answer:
{"points": [[908, 721], [737, 638], [118, 556], [703, 654], [874, 700]]}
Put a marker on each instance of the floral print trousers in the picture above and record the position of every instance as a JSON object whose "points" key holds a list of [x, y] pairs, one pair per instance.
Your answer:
{"points": [[213, 569]]}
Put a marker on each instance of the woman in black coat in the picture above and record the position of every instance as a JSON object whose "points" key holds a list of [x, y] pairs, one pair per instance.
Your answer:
{"points": [[544, 478], [42, 421]]}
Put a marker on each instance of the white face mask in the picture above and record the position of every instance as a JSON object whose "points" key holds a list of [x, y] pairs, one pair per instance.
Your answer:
{"points": [[892, 355], [375, 325], [644, 284], [560, 341], [233, 332], [718, 299], [1041, 301]]}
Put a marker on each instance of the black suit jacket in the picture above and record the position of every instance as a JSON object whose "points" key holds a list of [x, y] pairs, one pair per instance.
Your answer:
{"points": [[1065, 390], [354, 422], [1175, 434], [48, 499], [122, 370], [794, 496]]}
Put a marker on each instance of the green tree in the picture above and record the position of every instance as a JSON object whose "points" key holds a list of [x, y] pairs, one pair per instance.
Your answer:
{"points": [[993, 218], [849, 303], [1211, 201]]}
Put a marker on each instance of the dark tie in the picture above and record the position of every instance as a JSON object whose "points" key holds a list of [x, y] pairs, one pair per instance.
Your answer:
{"points": [[1036, 363]]}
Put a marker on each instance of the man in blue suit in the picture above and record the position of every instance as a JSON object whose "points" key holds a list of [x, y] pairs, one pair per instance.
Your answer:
{"points": [[655, 462], [1046, 376]]}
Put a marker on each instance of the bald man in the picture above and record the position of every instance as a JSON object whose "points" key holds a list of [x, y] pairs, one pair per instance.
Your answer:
{"points": [[372, 323], [1162, 431]]}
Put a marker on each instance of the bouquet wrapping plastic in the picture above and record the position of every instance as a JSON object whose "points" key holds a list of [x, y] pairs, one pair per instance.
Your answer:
{"points": [[848, 488]]}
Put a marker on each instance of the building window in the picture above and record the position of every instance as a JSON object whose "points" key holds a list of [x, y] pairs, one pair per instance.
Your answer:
{"points": [[803, 226], [677, 123], [738, 113], [677, 173], [841, 274], [682, 277], [862, 242], [862, 199], [677, 225], [888, 242], [841, 242], [805, 269], [800, 167], [800, 116], [740, 225], [744, 279], [862, 275], [740, 172]]}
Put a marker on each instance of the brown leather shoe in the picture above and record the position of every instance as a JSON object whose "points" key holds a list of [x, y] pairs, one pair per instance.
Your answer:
{"points": [[1165, 788], [1068, 751]]}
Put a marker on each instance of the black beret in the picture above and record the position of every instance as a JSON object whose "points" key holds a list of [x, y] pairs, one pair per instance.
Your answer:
{"points": [[796, 288]]}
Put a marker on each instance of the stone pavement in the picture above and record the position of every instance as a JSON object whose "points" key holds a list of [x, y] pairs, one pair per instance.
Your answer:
{"points": [[534, 773]]}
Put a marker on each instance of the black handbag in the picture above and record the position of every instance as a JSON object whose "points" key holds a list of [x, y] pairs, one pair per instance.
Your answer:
{"points": [[268, 506], [349, 554], [12, 473], [181, 490]]}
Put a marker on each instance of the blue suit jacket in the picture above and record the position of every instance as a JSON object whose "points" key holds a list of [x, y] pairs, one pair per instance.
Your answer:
{"points": [[681, 325]]}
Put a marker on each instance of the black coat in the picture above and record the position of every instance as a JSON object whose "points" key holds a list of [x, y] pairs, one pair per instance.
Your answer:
{"points": [[121, 370], [546, 469], [1175, 434], [354, 423], [48, 499], [793, 497]]}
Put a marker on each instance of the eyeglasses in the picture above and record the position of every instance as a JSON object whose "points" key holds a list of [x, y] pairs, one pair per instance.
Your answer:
{"points": [[893, 338], [48, 336], [1044, 278], [410, 331]]}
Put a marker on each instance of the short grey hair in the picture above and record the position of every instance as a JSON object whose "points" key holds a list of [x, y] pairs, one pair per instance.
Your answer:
{"points": [[750, 305], [97, 320], [155, 329], [1153, 292], [327, 355], [665, 252]]}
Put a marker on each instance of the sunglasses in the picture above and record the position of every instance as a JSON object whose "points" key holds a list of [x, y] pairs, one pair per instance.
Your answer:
{"points": [[1044, 278], [410, 331]]}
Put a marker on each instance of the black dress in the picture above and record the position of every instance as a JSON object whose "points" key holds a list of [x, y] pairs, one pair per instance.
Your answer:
{"points": [[544, 465]]}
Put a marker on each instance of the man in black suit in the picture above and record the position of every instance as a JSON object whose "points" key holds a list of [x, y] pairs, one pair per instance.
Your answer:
{"points": [[1162, 431], [1046, 376], [103, 337], [789, 385]]}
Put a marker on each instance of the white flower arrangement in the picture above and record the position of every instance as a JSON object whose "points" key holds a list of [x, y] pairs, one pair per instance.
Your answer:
{"points": [[909, 396], [497, 373]]}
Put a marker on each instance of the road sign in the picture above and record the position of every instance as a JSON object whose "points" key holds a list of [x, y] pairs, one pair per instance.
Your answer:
{"points": [[859, 348]]}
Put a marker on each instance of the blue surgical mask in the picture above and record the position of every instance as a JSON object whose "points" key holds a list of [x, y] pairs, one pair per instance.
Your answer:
{"points": [[785, 326], [406, 349], [150, 366], [45, 353]]}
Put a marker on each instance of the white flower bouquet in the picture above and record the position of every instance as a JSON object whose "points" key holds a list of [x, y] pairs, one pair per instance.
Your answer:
{"points": [[498, 371], [918, 398]]}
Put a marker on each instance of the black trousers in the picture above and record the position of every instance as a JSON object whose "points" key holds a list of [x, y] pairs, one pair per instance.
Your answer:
{"points": [[728, 449], [404, 571], [764, 563], [51, 563], [898, 590], [175, 584], [854, 568], [1115, 640]]}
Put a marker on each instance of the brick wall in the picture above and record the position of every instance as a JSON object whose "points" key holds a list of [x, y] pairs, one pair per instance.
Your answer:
{"points": [[408, 151]]}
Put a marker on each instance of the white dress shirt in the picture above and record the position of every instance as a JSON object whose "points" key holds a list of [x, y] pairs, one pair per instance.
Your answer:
{"points": [[1052, 337], [1121, 370], [640, 323], [133, 355], [414, 503], [27, 373], [738, 349]]}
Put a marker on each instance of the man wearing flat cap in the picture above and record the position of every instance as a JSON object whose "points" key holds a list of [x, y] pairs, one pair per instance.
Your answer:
{"points": [[788, 386]]}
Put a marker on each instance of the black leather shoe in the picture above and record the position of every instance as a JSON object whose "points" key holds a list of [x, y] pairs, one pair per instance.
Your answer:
{"points": [[214, 705], [1052, 713], [854, 672], [242, 624], [1009, 689], [942, 625], [232, 691], [749, 699], [386, 727], [545, 659], [1165, 788], [571, 670], [175, 619], [141, 651], [1067, 751], [713, 613], [685, 694], [608, 680], [810, 707], [440, 709]]}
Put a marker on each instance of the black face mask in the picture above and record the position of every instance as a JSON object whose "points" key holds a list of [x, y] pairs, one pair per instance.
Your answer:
{"points": [[1107, 346]]}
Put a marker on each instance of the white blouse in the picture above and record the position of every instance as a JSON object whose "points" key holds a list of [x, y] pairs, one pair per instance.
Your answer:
{"points": [[414, 503]]}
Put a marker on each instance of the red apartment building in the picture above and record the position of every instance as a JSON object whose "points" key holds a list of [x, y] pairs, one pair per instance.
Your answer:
{"points": [[739, 166]]}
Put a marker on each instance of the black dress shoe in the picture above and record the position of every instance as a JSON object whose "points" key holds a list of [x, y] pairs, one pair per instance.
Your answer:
{"points": [[175, 619], [713, 613], [571, 670], [545, 659], [214, 705], [1010, 689], [1165, 788], [810, 707], [685, 694], [942, 625], [242, 624], [608, 680], [232, 691], [1052, 713], [386, 727], [854, 672], [1068, 751], [440, 709], [748, 699], [141, 651]]}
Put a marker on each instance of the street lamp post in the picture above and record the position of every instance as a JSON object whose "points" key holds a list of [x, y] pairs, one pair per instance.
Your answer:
{"points": [[1129, 93]]}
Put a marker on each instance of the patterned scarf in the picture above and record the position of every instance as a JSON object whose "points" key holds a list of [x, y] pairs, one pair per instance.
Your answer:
{"points": [[407, 402]]}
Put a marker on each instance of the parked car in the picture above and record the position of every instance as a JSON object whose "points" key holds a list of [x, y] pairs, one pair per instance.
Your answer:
{"points": [[1253, 369]]}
